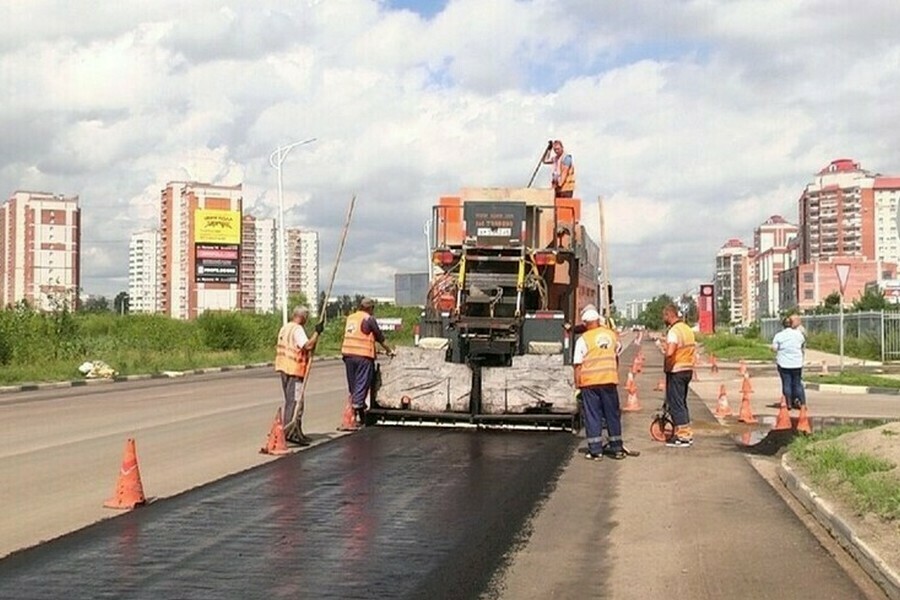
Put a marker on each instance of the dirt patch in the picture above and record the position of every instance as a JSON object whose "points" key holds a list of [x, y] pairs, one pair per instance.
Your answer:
{"points": [[881, 534]]}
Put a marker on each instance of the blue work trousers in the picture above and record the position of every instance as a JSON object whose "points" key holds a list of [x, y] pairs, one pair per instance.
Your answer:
{"points": [[360, 371], [792, 386], [601, 403], [676, 397]]}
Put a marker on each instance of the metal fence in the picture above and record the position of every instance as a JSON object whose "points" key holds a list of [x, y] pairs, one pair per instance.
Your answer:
{"points": [[874, 333]]}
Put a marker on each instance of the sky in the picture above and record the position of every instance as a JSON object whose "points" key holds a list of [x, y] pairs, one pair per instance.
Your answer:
{"points": [[695, 120]]}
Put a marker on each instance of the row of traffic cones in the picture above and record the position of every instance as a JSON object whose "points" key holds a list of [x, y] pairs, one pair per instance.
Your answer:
{"points": [[782, 421]]}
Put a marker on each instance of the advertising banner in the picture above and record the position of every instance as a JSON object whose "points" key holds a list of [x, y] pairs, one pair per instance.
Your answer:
{"points": [[212, 226], [217, 263]]}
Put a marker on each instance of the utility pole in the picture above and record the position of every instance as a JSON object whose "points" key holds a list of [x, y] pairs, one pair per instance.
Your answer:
{"points": [[604, 262]]}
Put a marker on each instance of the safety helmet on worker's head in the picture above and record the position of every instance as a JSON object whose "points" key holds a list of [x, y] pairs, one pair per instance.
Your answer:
{"points": [[590, 315]]}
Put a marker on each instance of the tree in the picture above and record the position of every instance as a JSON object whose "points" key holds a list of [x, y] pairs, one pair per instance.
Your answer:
{"points": [[830, 305], [96, 304], [122, 303], [299, 299], [689, 309], [872, 299], [651, 317]]}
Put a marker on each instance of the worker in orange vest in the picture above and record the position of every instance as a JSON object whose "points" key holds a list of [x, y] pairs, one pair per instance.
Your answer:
{"points": [[678, 351], [595, 360], [563, 178], [361, 333], [292, 363]]}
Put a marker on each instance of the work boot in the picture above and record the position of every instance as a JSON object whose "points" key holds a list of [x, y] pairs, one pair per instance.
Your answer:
{"points": [[360, 415], [304, 439]]}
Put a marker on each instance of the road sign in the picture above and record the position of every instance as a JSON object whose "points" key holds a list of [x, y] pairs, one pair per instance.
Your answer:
{"points": [[843, 273]]}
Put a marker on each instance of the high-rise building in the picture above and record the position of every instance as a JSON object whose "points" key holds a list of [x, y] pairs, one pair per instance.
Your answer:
{"points": [[772, 256], [40, 250], [258, 260], [847, 216], [200, 239], [143, 272], [303, 264], [733, 276]]}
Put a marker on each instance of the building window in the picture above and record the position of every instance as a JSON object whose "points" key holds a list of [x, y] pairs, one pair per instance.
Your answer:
{"points": [[808, 277], [886, 274], [807, 294]]}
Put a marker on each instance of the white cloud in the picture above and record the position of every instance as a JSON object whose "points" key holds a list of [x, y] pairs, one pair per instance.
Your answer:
{"points": [[695, 120]]}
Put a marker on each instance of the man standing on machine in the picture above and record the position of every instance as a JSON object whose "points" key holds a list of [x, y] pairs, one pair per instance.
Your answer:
{"points": [[563, 178]]}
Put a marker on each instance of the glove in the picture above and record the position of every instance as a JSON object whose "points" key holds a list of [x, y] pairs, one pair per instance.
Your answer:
{"points": [[320, 327]]}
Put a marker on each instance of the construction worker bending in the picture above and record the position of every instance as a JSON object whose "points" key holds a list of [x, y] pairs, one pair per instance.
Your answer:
{"points": [[596, 375], [563, 178], [360, 335], [678, 364], [292, 363]]}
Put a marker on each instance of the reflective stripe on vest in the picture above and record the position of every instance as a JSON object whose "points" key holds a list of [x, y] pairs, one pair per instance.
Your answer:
{"points": [[599, 365], [289, 359], [683, 359], [357, 343], [567, 185]]}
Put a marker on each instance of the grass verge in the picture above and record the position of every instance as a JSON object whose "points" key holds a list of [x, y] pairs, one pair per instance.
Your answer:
{"points": [[732, 347], [857, 378], [868, 483]]}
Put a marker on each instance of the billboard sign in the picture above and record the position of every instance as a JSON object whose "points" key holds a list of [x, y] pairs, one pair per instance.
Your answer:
{"points": [[706, 308], [213, 226], [217, 263]]}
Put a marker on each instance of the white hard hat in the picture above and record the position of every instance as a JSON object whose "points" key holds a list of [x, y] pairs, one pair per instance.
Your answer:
{"points": [[590, 315]]}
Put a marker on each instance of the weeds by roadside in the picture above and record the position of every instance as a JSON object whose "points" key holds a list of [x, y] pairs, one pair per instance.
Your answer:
{"points": [[732, 347], [870, 484]]}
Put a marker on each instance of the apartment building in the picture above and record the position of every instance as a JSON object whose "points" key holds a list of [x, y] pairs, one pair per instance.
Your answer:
{"points": [[40, 250], [771, 243], [733, 280], [144, 272], [303, 264]]}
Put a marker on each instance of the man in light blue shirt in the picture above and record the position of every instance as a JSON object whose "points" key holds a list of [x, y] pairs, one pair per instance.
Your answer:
{"points": [[788, 345]]}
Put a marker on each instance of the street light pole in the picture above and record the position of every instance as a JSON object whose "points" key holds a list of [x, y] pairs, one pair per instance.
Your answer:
{"points": [[427, 231], [276, 159]]}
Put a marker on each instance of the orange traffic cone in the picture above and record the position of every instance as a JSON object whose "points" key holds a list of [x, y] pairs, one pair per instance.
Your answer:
{"points": [[783, 421], [824, 368], [713, 364], [348, 419], [660, 385], [746, 386], [275, 442], [746, 414], [803, 425], [636, 366], [632, 404], [129, 489], [743, 368], [722, 408]]}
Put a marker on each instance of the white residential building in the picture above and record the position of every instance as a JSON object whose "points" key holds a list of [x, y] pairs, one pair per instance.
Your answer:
{"points": [[143, 272], [303, 264], [770, 243]]}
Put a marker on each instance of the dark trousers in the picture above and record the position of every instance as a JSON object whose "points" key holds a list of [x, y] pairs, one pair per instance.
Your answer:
{"points": [[792, 386], [360, 371], [291, 386], [676, 396], [601, 403]]}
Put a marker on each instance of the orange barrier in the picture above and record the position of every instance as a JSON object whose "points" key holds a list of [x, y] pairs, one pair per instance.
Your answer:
{"points": [[783, 421], [275, 442], [632, 403], [129, 489], [723, 409], [348, 419], [746, 414], [803, 425]]}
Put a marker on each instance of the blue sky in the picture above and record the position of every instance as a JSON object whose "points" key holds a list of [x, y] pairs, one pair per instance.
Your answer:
{"points": [[426, 8]]}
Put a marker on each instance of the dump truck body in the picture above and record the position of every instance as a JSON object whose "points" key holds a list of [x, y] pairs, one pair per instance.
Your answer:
{"points": [[513, 268]]}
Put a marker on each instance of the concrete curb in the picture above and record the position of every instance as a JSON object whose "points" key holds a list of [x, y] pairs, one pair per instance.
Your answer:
{"points": [[850, 389], [35, 387], [880, 572]]}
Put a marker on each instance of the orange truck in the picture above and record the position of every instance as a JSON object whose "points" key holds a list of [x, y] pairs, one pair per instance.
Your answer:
{"points": [[512, 270]]}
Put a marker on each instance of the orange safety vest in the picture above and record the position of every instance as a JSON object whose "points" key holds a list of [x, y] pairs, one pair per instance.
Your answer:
{"points": [[568, 184], [599, 365], [683, 359], [289, 359], [357, 343]]}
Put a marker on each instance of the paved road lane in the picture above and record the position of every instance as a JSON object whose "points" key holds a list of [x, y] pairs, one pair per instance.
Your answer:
{"points": [[60, 450], [385, 513]]}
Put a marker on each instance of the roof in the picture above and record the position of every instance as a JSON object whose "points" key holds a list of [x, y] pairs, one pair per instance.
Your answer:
{"points": [[733, 243], [840, 165], [887, 183]]}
